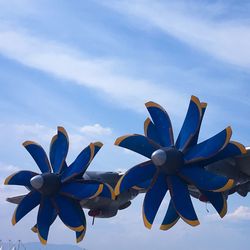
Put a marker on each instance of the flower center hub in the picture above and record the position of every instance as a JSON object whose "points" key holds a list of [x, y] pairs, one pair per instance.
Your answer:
{"points": [[48, 183], [168, 160]]}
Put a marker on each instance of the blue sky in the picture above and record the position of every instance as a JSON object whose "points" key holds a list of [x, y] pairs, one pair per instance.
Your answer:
{"points": [[90, 66]]}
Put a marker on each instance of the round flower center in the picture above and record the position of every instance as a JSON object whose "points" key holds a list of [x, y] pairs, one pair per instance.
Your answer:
{"points": [[168, 160], [47, 184]]}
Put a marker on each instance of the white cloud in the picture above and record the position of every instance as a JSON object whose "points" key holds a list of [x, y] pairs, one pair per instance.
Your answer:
{"points": [[225, 39], [100, 74], [95, 130], [242, 213], [78, 136], [7, 169], [36, 132]]}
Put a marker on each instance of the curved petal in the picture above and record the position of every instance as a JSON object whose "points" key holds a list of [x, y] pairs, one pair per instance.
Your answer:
{"points": [[35, 229], [194, 140], [39, 156], [162, 122], [218, 201], [69, 213], [143, 186], [59, 149], [107, 192], [205, 180], [80, 236], [208, 148], [191, 124], [232, 149], [153, 199], [64, 168], [52, 152], [151, 132], [21, 178], [52, 149], [134, 176], [29, 202], [81, 191], [98, 145], [45, 218], [81, 163], [137, 143], [171, 217], [181, 199]]}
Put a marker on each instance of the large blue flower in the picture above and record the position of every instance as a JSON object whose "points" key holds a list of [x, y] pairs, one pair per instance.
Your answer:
{"points": [[176, 166], [59, 188]]}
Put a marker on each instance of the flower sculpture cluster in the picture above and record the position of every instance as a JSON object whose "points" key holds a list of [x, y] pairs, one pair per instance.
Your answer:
{"points": [[59, 188], [176, 166]]}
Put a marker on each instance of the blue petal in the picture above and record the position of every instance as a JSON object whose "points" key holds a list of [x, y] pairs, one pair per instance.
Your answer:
{"points": [[107, 192], [191, 124], [209, 148], [98, 145], [181, 199], [194, 140], [21, 178], [46, 216], [59, 149], [80, 236], [153, 199], [81, 163], [138, 143], [170, 218], [29, 202], [218, 201], [143, 186], [232, 149], [135, 176], [205, 180], [162, 122], [69, 213], [39, 156], [150, 131], [81, 190]]}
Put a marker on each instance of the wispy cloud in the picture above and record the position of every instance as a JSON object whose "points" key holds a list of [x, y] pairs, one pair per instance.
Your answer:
{"points": [[239, 214], [242, 213], [79, 136], [95, 129], [99, 74], [36, 132], [194, 24]]}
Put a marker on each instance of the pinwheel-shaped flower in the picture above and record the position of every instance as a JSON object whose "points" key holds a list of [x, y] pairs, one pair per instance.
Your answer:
{"points": [[175, 166], [59, 188]]}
